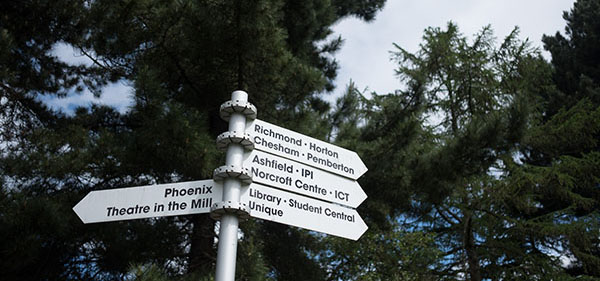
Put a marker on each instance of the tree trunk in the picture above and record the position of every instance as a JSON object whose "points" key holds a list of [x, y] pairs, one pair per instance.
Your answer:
{"points": [[202, 255], [469, 244]]}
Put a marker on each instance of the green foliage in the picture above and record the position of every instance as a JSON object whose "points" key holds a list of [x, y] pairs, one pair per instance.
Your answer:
{"points": [[183, 59], [252, 264], [483, 167], [381, 254], [152, 272], [435, 150], [576, 57], [290, 253], [385, 130], [555, 189]]}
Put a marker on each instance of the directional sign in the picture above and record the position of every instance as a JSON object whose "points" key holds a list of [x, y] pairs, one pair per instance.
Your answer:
{"points": [[310, 151], [196, 197], [172, 199], [292, 209], [286, 174]]}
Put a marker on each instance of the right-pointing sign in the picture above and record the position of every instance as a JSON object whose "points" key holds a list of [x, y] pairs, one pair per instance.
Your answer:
{"points": [[292, 209], [310, 151], [296, 177]]}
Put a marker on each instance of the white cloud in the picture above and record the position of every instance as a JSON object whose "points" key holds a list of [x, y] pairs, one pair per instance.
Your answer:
{"points": [[70, 55], [365, 57], [117, 95]]}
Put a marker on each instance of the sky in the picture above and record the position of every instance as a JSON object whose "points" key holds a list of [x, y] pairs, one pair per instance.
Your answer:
{"points": [[117, 94], [365, 55]]}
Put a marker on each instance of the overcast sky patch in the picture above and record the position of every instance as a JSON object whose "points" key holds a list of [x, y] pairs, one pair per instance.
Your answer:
{"points": [[117, 95], [365, 55]]}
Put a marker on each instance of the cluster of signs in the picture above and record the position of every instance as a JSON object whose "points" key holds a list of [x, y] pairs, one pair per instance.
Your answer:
{"points": [[297, 180]]}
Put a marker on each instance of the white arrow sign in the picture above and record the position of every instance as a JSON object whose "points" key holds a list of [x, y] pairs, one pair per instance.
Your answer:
{"points": [[291, 209], [296, 177], [196, 197], [172, 199], [310, 151]]}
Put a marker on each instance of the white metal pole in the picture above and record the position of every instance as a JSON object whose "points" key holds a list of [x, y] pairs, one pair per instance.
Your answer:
{"points": [[228, 233]]}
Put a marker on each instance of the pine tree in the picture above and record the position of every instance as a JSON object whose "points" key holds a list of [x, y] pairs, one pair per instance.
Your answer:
{"points": [[575, 58], [555, 181], [385, 131], [183, 58], [478, 91], [436, 153], [38, 238]]}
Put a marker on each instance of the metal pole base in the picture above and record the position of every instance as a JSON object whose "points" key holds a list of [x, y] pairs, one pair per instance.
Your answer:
{"points": [[227, 250]]}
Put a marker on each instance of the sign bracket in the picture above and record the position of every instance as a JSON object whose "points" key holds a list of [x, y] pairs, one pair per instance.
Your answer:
{"points": [[233, 176]]}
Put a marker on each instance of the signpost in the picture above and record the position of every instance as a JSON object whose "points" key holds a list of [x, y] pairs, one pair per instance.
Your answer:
{"points": [[292, 209], [292, 176], [304, 149], [184, 198], [196, 197], [304, 175]]}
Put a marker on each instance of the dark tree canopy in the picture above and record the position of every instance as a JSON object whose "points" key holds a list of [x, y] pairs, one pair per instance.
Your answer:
{"points": [[575, 56], [182, 59], [484, 165]]}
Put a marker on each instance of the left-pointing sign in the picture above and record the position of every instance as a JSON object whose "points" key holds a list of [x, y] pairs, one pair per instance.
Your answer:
{"points": [[193, 197]]}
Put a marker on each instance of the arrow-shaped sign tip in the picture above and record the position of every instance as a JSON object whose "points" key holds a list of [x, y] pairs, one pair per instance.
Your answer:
{"points": [[78, 211], [363, 228]]}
